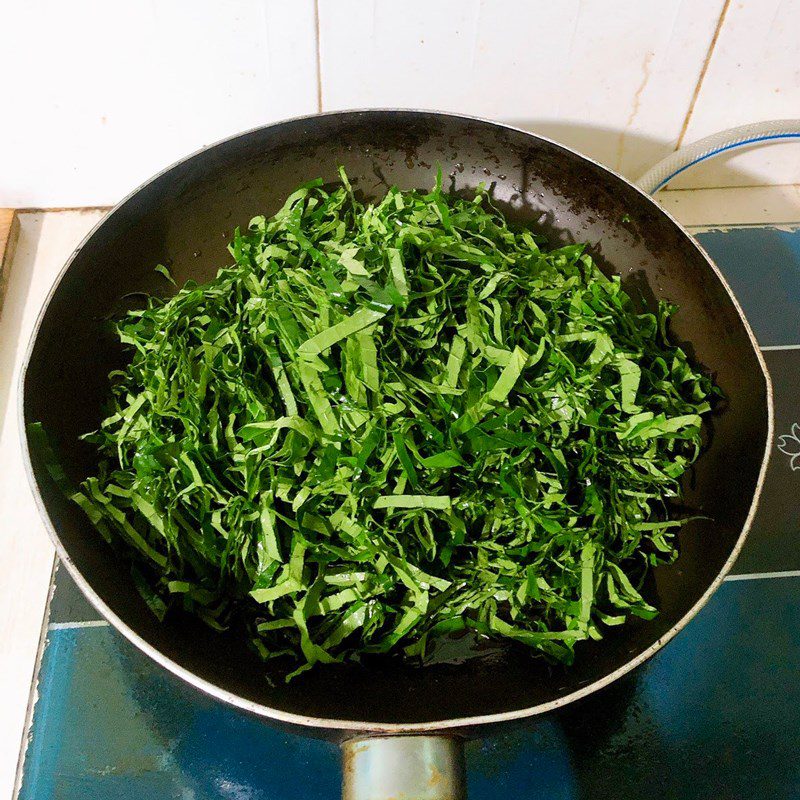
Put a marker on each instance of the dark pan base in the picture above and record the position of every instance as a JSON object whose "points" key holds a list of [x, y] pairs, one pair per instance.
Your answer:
{"points": [[185, 217]]}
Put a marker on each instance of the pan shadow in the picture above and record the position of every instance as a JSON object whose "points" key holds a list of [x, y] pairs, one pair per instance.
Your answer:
{"points": [[626, 153]]}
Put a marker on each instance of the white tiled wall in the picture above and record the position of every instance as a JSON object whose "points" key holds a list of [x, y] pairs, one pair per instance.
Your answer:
{"points": [[753, 74], [99, 94], [612, 79]]}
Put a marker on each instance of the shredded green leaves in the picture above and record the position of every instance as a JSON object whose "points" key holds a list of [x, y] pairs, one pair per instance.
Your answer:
{"points": [[387, 423]]}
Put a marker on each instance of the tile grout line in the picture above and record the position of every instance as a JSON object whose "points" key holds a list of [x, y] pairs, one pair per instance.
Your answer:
{"points": [[756, 576], [770, 347], [724, 227], [701, 77], [745, 576], [723, 188], [60, 209], [319, 56], [701, 225], [87, 623]]}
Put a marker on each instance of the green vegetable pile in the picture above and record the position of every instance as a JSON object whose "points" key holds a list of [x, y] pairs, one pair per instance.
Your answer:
{"points": [[387, 423]]}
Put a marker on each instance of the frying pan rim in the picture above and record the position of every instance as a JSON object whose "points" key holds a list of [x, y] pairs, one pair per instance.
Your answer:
{"points": [[452, 725]]}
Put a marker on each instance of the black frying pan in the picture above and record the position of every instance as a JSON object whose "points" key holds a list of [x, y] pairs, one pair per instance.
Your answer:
{"points": [[185, 216]]}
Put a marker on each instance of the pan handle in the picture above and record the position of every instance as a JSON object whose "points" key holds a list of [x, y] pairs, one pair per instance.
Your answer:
{"points": [[403, 768]]}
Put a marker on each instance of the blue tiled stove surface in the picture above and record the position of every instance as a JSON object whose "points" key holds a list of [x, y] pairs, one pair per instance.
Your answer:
{"points": [[716, 714]]}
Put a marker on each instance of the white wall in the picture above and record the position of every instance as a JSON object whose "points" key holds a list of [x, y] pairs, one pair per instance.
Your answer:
{"points": [[100, 94]]}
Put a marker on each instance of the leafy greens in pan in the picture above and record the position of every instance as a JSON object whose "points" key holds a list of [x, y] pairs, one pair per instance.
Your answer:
{"points": [[389, 422]]}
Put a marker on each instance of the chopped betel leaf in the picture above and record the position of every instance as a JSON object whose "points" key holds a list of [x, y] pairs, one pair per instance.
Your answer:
{"points": [[390, 422]]}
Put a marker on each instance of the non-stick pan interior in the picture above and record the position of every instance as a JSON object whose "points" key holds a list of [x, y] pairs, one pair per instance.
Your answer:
{"points": [[185, 217]]}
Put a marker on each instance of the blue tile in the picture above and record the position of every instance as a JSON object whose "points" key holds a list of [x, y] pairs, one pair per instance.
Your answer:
{"points": [[715, 714], [773, 544], [111, 724], [68, 603], [763, 267]]}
